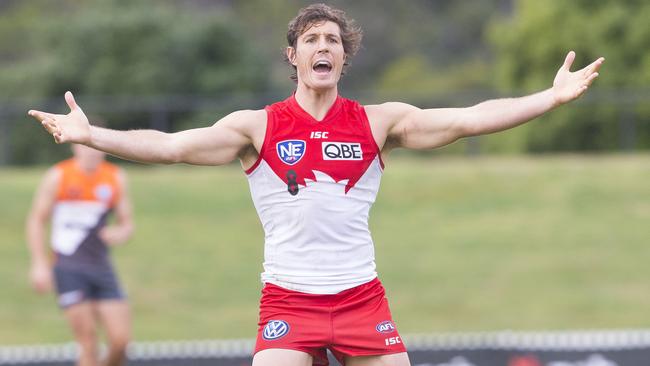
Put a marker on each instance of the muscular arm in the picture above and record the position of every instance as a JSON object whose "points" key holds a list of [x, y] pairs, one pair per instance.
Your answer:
{"points": [[415, 128], [431, 128], [221, 143], [122, 229], [37, 220]]}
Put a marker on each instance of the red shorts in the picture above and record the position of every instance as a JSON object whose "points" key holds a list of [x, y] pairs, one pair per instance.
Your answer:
{"points": [[354, 322]]}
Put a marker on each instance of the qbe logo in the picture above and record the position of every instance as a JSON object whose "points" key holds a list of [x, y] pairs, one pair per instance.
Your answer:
{"points": [[275, 329], [385, 327], [291, 151], [342, 151]]}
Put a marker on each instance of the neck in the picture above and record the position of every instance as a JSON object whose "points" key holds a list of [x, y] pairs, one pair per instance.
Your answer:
{"points": [[316, 102], [86, 167]]}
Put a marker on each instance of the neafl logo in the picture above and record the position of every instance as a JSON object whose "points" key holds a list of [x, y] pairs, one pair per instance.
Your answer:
{"points": [[385, 327], [291, 151]]}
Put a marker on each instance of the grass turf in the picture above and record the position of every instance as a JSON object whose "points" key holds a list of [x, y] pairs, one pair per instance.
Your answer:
{"points": [[489, 243]]}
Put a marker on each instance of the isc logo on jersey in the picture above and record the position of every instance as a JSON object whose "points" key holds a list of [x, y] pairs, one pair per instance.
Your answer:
{"points": [[291, 151], [342, 151]]}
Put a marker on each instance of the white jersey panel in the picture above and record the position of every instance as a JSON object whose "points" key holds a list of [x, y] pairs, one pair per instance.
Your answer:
{"points": [[317, 241], [72, 221]]}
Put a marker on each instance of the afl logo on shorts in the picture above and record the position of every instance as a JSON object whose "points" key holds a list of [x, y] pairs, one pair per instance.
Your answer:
{"points": [[104, 192], [275, 329], [291, 151], [385, 327]]}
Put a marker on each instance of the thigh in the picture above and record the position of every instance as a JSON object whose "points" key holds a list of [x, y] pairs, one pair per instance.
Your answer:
{"points": [[363, 325], [285, 357], [396, 359], [81, 318], [115, 317], [295, 322]]}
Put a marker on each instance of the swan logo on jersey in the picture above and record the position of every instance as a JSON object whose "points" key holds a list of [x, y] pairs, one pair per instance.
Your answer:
{"points": [[342, 151], [385, 327], [291, 151], [275, 329]]}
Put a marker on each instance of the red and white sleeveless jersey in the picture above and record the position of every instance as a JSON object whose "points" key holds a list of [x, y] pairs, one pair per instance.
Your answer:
{"points": [[313, 186]]}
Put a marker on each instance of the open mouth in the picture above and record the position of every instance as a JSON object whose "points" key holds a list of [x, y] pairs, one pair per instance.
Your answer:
{"points": [[322, 66]]}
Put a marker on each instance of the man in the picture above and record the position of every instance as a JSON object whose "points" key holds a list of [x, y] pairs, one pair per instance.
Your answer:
{"points": [[78, 195], [314, 162]]}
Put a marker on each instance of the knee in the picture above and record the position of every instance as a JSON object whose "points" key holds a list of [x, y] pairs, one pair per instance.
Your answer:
{"points": [[86, 339], [120, 343]]}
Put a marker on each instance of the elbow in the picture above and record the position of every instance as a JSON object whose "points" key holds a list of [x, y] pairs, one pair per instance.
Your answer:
{"points": [[468, 124], [128, 230], [468, 129], [172, 158], [34, 222], [172, 154]]}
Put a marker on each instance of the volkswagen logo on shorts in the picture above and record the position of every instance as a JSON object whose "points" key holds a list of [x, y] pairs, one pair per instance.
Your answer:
{"points": [[385, 327], [275, 329]]}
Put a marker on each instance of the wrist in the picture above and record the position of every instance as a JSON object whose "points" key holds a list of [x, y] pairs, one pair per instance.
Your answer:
{"points": [[554, 100], [92, 136]]}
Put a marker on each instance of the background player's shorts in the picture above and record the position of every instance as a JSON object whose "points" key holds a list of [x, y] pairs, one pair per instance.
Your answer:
{"points": [[354, 322], [76, 286]]}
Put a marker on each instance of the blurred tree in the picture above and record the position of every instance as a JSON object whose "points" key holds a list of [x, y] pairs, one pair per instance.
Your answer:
{"points": [[440, 34], [122, 48], [530, 45]]}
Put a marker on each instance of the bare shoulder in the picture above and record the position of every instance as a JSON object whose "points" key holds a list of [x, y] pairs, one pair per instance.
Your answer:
{"points": [[121, 176], [388, 113], [249, 123], [52, 176], [383, 118], [245, 118], [47, 189]]}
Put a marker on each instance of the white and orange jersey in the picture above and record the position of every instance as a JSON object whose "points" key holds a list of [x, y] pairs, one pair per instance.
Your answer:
{"points": [[313, 186], [83, 203]]}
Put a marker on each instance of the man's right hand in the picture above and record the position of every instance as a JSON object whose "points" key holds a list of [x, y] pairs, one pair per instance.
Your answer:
{"points": [[40, 277], [72, 127]]}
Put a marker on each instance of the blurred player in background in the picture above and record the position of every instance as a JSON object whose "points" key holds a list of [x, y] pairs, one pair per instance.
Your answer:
{"points": [[76, 196], [314, 163]]}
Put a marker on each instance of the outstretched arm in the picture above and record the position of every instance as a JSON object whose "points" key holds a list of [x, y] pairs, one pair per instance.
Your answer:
{"points": [[218, 144], [429, 128]]}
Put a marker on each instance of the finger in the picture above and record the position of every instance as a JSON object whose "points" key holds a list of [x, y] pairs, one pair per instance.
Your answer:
{"points": [[39, 115], [50, 126], [591, 78], [594, 66], [69, 98], [581, 91], [568, 61]]}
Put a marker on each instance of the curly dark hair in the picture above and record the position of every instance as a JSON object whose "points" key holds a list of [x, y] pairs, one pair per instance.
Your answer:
{"points": [[351, 34]]}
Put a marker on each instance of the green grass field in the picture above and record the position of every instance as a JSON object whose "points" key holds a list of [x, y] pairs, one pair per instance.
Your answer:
{"points": [[461, 244]]}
